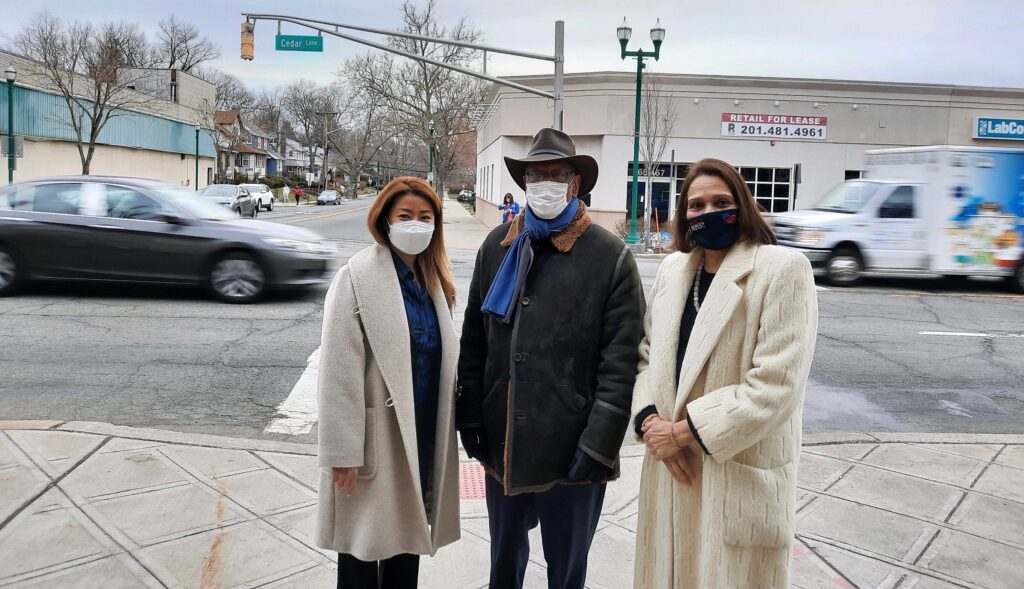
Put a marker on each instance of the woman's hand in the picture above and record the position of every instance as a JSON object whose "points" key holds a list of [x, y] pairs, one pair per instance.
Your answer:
{"points": [[658, 436], [345, 479], [665, 438], [680, 465]]}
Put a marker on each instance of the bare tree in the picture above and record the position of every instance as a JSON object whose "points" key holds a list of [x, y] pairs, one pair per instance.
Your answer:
{"points": [[658, 116], [365, 128], [179, 45], [305, 102], [231, 92], [269, 114], [94, 67], [417, 93]]}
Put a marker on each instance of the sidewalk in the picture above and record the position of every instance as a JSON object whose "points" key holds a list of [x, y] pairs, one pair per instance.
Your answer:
{"points": [[461, 229], [95, 505]]}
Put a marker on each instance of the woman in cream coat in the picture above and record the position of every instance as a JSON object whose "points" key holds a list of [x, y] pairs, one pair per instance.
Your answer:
{"points": [[389, 487], [729, 336]]}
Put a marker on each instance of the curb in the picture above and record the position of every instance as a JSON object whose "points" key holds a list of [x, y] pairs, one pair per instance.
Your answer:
{"points": [[169, 437]]}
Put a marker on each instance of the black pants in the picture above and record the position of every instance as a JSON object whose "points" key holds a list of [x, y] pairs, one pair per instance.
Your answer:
{"points": [[397, 572], [568, 516]]}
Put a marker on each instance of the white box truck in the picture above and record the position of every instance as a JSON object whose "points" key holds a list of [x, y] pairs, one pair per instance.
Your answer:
{"points": [[945, 210]]}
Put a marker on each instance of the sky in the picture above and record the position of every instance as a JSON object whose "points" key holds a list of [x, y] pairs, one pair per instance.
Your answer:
{"points": [[972, 43]]}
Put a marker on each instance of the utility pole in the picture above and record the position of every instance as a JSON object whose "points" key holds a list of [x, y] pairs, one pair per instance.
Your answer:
{"points": [[325, 115]]}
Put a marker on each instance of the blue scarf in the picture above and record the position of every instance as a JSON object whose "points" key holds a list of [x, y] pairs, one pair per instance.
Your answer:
{"points": [[508, 282]]}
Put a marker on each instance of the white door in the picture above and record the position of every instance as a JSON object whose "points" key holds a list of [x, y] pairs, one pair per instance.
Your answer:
{"points": [[899, 237]]}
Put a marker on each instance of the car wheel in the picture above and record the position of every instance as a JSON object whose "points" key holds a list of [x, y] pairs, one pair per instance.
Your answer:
{"points": [[237, 278], [9, 272], [255, 211], [844, 267], [1016, 280], [270, 206]]}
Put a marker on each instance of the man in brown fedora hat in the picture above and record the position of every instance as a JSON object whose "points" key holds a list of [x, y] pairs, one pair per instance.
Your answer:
{"points": [[548, 361]]}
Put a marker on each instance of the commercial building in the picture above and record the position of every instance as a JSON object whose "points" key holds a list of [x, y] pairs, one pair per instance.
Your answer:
{"points": [[792, 139], [156, 139]]}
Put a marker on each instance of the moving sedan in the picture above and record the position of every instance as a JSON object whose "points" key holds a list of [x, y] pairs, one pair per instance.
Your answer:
{"points": [[126, 229]]}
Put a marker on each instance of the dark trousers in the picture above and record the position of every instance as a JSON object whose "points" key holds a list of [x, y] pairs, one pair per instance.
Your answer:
{"points": [[398, 572], [568, 516]]}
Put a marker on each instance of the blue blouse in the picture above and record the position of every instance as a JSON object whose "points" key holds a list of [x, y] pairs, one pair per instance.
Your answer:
{"points": [[425, 345]]}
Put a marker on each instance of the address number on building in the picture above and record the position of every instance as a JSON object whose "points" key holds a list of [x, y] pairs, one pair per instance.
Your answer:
{"points": [[774, 126]]}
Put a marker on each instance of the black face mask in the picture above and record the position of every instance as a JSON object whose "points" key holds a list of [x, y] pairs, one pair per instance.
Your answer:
{"points": [[717, 230]]}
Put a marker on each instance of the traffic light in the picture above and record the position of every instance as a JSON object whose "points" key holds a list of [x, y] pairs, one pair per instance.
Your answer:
{"points": [[247, 40]]}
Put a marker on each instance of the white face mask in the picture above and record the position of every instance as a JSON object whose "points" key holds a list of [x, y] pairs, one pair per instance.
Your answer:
{"points": [[411, 237], [547, 199]]}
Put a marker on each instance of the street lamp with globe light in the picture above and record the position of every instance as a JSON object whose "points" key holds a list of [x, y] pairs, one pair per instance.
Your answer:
{"points": [[624, 32], [11, 75]]}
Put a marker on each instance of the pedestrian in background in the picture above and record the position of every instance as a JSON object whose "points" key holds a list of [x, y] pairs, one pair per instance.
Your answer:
{"points": [[729, 336], [389, 483], [550, 340], [509, 208], [298, 194]]}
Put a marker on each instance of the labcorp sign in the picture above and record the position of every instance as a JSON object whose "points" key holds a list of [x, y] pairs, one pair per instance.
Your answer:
{"points": [[992, 128]]}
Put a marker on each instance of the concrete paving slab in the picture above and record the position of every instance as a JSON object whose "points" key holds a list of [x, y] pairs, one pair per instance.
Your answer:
{"points": [[847, 451], [928, 464], [106, 474], [1002, 481], [1012, 456], [55, 452], [871, 529], [318, 578], [898, 492], [148, 518], [303, 468], [463, 565], [811, 572], [212, 462], [975, 560], [612, 559], [111, 570], [991, 517], [9, 455], [299, 524], [853, 569], [265, 491], [125, 445], [228, 557], [18, 484], [982, 452], [39, 542], [819, 472]]}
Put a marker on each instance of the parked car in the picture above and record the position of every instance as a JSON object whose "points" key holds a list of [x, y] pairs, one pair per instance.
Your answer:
{"points": [[261, 192], [466, 196], [232, 197], [328, 197], [132, 230]]}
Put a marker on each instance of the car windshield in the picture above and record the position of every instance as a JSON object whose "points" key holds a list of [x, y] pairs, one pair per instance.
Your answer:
{"points": [[255, 187], [218, 191], [848, 197], [191, 204], [328, 193]]}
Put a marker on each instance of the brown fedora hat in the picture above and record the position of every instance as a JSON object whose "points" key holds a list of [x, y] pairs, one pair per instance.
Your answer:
{"points": [[552, 145]]}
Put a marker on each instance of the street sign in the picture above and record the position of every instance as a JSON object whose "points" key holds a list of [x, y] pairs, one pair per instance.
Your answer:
{"points": [[299, 43], [19, 146]]}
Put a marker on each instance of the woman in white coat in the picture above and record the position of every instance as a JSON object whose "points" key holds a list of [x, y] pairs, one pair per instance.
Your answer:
{"points": [[729, 336], [387, 451]]}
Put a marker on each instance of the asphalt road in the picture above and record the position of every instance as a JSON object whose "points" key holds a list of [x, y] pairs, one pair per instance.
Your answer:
{"points": [[176, 359]]}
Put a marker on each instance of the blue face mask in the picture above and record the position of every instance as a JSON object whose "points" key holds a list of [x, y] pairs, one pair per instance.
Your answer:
{"points": [[717, 230]]}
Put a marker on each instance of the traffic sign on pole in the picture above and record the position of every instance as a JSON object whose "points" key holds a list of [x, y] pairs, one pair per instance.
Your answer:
{"points": [[299, 43]]}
